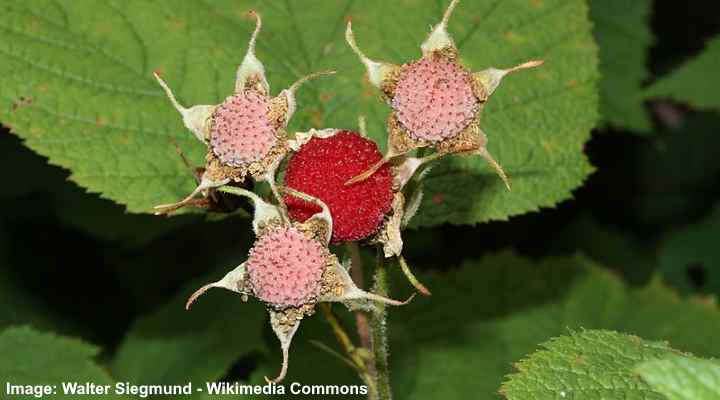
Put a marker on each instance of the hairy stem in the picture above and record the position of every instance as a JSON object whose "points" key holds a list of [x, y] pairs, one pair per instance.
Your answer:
{"points": [[357, 357], [363, 327], [379, 331]]}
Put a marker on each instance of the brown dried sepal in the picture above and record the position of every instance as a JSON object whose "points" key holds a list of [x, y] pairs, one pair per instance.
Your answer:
{"points": [[314, 228], [254, 83], [332, 284], [389, 83], [389, 235], [289, 317], [217, 171], [278, 114]]}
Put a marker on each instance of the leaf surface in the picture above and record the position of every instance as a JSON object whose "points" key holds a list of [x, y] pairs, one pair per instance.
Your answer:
{"points": [[76, 85]]}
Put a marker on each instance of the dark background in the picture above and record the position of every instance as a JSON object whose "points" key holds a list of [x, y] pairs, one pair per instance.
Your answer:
{"points": [[98, 269]]}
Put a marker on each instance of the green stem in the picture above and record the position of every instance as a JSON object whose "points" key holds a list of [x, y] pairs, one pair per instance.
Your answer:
{"points": [[378, 328]]}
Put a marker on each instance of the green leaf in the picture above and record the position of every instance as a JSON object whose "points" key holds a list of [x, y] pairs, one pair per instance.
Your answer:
{"points": [[485, 315], [77, 87], [594, 364], [693, 82], [692, 250], [175, 346], [30, 357], [623, 34], [680, 377]]}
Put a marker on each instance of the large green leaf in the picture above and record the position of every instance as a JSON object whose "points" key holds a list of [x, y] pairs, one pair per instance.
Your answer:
{"points": [[175, 346], [76, 84], [30, 357], [485, 315], [623, 34], [680, 377], [694, 81], [587, 365]]}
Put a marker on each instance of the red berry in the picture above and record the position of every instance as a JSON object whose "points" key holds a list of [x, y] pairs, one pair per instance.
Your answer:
{"points": [[320, 169]]}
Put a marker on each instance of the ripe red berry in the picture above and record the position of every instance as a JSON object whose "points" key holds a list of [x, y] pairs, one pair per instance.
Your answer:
{"points": [[320, 169]]}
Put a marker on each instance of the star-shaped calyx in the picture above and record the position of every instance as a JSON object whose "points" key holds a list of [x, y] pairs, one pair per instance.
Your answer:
{"points": [[290, 269], [436, 101], [245, 134]]}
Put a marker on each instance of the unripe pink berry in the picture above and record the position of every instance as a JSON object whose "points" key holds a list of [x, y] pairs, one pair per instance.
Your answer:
{"points": [[241, 130], [285, 268], [434, 99]]}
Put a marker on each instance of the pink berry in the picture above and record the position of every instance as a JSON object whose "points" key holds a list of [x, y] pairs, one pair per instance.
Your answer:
{"points": [[285, 268], [241, 130], [434, 99]]}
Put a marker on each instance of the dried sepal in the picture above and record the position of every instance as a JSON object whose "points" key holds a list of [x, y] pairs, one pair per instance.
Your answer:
{"points": [[485, 154], [362, 126], [342, 289], [377, 71], [322, 222], [405, 170], [489, 79], [413, 205], [251, 72], [439, 38], [389, 236], [264, 212], [301, 138], [206, 183], [233, 281], [195, 118], [284, 327], [422, 289], [289, 94]]}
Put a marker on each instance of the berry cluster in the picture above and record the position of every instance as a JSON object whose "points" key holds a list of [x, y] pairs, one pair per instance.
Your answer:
{"points": [[337, 185]]}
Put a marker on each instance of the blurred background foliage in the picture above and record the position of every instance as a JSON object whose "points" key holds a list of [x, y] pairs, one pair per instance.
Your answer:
{"points": [[648, 218]]}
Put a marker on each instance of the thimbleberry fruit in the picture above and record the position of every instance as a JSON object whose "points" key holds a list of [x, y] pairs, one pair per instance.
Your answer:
{"points": [[436, 101], [320, 169], [246, 133], [241, 131], [290, 269], [285, 266]]}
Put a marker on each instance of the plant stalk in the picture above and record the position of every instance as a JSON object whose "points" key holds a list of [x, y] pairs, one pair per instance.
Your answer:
{"points": [[356, 358], [357, 273], [378, 327]]}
